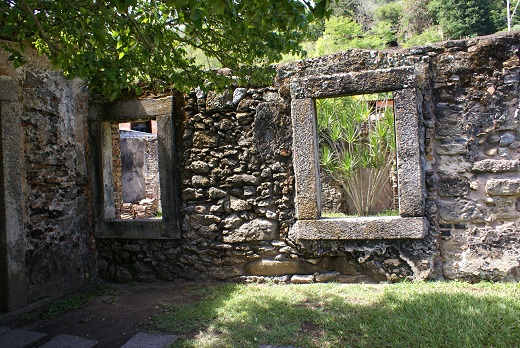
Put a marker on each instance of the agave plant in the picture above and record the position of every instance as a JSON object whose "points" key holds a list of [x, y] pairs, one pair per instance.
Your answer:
{"points": [[357, 146]]}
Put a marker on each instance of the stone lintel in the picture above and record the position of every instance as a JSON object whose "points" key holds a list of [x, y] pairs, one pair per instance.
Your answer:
{"points": [[353, 83], [137, 109], [362, 228]]}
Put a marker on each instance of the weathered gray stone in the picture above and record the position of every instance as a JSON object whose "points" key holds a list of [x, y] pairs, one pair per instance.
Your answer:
{"points": [[133, 169], [191, 193], [146, 340], [133, 109], [217, 101], [353, 82], [200, 181], [69, 341], [507, 139], [452, 148], [206, 219], [200, 167], [453, 165], [302, 279], [214, 192], [19, 338], [410, 174], [360, 228], [495, 166], [239, 179], [9, 89], [237, 204], [203, 140], [238, 95], [257, 229], [277, 268], [453, 186], [305, 157], [232, 221], [326, 277], [503, 187], [504, 207], [271, 129], [460, 210]]}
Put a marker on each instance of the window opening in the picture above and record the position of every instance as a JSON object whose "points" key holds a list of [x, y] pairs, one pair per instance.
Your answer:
{"points": [[136, 170], [357, 146]]}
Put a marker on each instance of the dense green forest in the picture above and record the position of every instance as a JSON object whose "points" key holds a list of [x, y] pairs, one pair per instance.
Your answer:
{"points": [[378, 24]]}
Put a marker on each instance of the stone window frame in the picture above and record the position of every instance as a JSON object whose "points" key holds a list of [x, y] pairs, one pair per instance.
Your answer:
{"points": [[101, 117], [411, 222]]}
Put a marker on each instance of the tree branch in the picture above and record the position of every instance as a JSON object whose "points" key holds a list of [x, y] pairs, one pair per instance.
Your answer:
{"points": [[27, 9]]}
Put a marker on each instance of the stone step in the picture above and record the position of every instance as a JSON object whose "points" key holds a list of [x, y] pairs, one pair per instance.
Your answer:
{"points": [[4, 329], [145, 340], [19, 338], [69, 341]]}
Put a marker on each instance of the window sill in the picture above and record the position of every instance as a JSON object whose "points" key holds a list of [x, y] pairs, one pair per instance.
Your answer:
{"points": [[363, 228]]}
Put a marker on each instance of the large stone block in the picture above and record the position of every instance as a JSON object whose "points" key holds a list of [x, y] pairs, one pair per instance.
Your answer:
{"points": [[272, 131], [367, 228], [503, 187], [453, 186], [495, 166], [276, 268], [258, 229], [460, 210]]}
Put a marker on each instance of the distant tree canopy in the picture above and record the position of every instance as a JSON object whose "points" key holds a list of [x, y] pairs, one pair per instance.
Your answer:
{"points": [[463, 18], [377, 24], [120, 44]]}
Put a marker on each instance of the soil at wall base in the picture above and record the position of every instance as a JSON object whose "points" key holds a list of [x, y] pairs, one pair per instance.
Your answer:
{"points": [[112, 319]]}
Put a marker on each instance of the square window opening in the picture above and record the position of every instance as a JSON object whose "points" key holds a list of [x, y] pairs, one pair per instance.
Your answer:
{"points": [[407, 180]]}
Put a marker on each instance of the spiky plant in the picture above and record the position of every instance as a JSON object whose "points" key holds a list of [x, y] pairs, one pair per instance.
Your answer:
{"points": [[357, 146]]}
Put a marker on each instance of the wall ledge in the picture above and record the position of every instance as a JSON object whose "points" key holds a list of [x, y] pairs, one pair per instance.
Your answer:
{"points": [[363, 228]]}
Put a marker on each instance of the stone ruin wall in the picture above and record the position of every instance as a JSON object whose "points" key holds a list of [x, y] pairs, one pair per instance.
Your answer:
{"points": [[237, 180], [51, 127]]}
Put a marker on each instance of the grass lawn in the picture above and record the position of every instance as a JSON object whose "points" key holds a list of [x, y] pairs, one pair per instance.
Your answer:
{"points": [[422, 314]]}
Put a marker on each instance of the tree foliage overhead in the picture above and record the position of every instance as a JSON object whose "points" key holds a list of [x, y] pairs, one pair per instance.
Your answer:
{"points": [[114, 44]]}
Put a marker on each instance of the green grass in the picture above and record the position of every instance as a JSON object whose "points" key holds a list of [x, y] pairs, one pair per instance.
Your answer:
{"points": [[424, 314], [66, 305]]}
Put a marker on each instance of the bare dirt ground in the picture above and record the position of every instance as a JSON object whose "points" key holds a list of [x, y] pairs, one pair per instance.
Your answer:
{"points": [[113, 318]]}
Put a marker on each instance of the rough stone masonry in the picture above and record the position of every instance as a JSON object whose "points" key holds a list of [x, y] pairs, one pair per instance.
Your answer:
{"points": [[236, 177]]}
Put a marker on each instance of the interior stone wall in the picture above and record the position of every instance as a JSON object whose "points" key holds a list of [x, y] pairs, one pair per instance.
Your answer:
{"points": [[59, 249]]}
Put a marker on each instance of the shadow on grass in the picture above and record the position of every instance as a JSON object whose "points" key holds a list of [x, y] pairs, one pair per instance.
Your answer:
{"points": [[319, 315]]}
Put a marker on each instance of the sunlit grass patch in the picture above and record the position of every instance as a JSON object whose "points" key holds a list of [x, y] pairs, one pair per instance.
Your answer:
{"points": [[336, 315]]}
